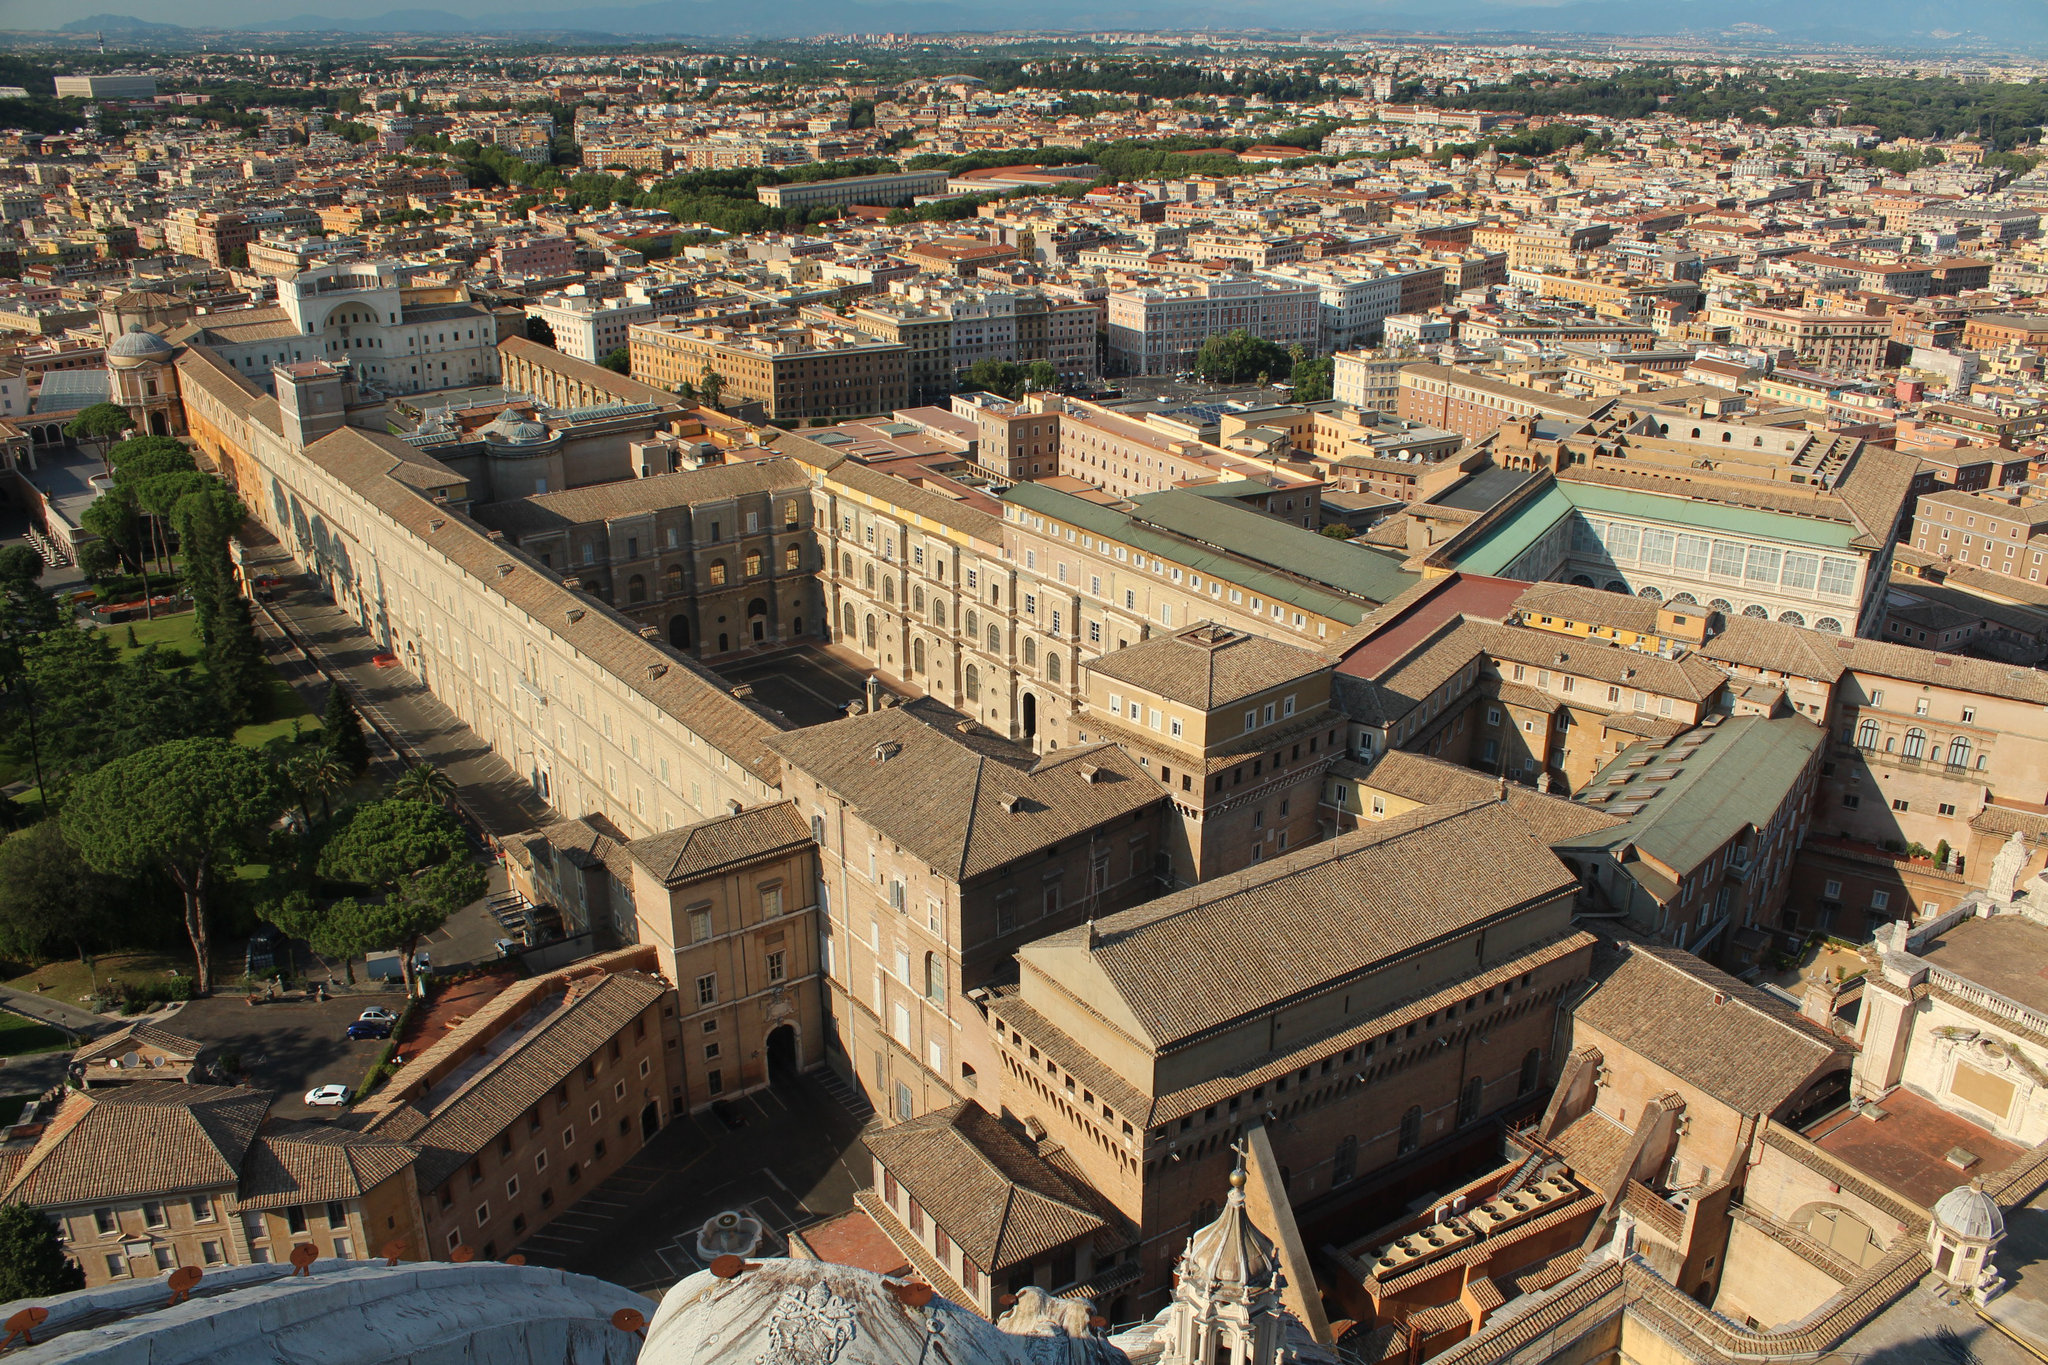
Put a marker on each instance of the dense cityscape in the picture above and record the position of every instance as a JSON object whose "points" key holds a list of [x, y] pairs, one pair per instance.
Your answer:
{"points": [[1173, 697]]}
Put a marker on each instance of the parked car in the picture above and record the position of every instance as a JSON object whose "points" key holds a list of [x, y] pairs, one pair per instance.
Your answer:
{"points": [[368, 1028], [508, 946], [377, 1014], [422, 963], [328, 1096]]}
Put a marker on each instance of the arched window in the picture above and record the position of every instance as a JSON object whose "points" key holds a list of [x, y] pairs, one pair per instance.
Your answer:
{"points": [[1685, 599], [1411, 1129], [1866, 735], [1030, 652], [1532, 1071], [846, 565], [939, 612], [717, 573], [1345, 1167], [995, 640], [1756, 613], [870, 575], [1791, 618], [970, 624], [846, 628], [1916, 743], [672, 581], [792, 559], [917, 656], [917, 600], [636, 589], [888, 587], [869, 636], [1828, 624], [1052, 667], [973, 683], [934, 977], [1469, 1099], [1959, 752], [1650, 594]]}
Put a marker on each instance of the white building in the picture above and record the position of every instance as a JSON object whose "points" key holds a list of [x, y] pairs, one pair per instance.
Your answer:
{"points": [[1367, 380], [1354, 300], [590, 328], [1158, 329]]}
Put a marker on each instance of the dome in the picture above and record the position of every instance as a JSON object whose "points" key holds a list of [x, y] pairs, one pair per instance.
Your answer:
{"points": [[510, 428], [1231, 1251], [785, 1310], [1970, 1213], [138, 347]]}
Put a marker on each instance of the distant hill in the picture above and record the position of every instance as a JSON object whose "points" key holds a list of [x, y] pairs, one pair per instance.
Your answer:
{"points": [[1889, 24]]}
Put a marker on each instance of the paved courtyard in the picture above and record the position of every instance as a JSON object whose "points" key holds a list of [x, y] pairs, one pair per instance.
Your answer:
{"points": [[807, 684], [287, 1046], [790, 1155]]}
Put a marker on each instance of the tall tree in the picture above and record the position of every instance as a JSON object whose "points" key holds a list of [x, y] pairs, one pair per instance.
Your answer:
{"points": [[99, 424], [235, 661], [424, 782], [32, 1260], [344, 731], [417, 855], [192, 809], [50, 899]]}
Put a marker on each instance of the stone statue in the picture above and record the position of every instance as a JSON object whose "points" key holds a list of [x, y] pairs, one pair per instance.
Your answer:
{"points": [[2005, 869]]}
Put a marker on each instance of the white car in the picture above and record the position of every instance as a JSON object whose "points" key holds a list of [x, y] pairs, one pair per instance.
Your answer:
{"points": [[377, 1014], [328, 1096]]}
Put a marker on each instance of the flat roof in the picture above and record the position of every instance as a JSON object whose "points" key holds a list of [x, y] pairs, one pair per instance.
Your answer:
{"points": [[2004, 954], [1907, 1150]]}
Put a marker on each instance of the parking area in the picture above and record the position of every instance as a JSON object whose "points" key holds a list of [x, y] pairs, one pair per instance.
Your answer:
{"points": [[807, 684], [789, 1156], [287, 1046]]}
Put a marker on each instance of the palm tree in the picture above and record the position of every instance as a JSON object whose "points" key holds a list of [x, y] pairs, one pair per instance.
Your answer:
{"points": [[424, 782], [318, 773]]}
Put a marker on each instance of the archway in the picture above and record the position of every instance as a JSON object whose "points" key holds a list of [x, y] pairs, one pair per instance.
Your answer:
{"points": [[781, 1053], [1030, 715], [157, 425], [679, 631], [650, 1120]]}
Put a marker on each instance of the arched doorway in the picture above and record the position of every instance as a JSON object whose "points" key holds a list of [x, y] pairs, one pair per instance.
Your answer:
{"points": [[679, 631], [781, 1053], [157, 425], [650, 1120], [1030, 715], [757, 619]]}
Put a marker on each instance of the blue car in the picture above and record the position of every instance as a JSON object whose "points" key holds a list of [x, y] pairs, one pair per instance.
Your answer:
{"points": [[368, 1028]]}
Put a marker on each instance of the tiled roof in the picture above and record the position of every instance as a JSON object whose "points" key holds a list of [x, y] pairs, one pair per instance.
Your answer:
{"points": [[965, 801], [995, 1197], [1208, 665], [141, 1140], [544, 512], [567, 1024], [681, 855], [1435, 782], [1704, 1027], [135, 1035], [1212, 953], [1803, 653], [313, 1163]]}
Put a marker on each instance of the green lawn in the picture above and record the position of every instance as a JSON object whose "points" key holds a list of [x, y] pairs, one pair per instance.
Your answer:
{"points": [[180, 634], [67, 979], [20, 1037]]}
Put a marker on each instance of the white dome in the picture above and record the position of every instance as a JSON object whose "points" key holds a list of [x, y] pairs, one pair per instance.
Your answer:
{"points": [[137, 346], [512, 429], [1970, 1213], [786, 1310]]}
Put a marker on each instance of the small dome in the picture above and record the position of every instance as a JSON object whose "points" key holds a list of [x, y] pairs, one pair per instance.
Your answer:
{"points": [[137, 346], [1231, 1252], [1970, 1213], [510, 428]]}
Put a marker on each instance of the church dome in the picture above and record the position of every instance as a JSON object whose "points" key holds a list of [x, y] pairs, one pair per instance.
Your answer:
{"points": [[510, 428], [1970, 1213], [139, 347], [1231, 1252]]}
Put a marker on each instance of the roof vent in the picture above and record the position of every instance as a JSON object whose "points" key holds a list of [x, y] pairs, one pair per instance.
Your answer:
{"points": [[887, 750], [504, 571], [494, 535], [435, 523], [657, 670], [965, 727], [650, 632], [573, 583], [1089, 772], [574, 613], [1011, 801], [743, 691]]}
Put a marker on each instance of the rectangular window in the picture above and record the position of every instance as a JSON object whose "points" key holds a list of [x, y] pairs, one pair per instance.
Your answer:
{"points": [[776, 969], [707, 989]]}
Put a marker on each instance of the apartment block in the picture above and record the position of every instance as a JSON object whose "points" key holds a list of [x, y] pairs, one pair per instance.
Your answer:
{"points": [[794, 373], [1158, 329]]}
